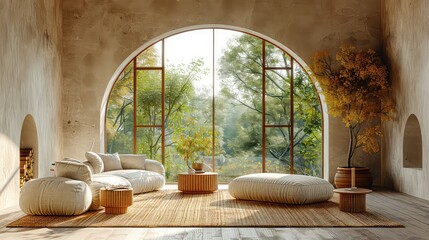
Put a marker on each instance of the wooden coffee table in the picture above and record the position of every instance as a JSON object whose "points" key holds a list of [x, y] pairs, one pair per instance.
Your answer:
{"points": [[197, 183], [116, 201], [352, 200]]}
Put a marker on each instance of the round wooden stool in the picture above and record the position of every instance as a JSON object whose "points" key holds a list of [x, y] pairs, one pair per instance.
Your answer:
{"points": [[116, 201], [352, 200]]}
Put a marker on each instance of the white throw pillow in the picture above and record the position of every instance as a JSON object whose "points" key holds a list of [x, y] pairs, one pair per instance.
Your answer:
{"points": [[73, 170], [111, 161], [96, 161], [133, 161]]}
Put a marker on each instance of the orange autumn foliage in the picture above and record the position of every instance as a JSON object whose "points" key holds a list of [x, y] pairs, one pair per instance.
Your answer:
{"points": [[356, 88]]}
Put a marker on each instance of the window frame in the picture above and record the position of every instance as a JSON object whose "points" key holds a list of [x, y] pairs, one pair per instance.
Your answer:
{"points": [[264, 125]]}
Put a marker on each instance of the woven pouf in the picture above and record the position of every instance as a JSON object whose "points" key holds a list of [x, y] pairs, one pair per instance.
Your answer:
{"points": [[282, 188], [55, 196]]}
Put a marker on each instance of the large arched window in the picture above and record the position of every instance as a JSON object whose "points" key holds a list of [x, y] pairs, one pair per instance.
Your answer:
{"points": [[249, 102]]}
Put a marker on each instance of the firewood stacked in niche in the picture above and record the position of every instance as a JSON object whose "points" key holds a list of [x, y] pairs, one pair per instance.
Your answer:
{"points": [[26, 165]]}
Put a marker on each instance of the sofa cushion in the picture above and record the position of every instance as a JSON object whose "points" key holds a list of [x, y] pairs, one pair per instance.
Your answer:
{"points": [[87, 163], [154, 166], [55, 196], [68, 159], [141, 180], [96, 161], [283, 188], [73, 170], [102, 180], [111, 162], [133, 161]]}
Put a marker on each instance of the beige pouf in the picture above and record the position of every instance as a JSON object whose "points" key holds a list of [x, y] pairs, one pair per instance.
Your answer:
{"points": [[55, 196], [282, 188]]}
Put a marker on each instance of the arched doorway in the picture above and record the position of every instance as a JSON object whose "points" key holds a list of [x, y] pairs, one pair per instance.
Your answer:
{"points": [[28, 150], [272, 107], [412, 152]]}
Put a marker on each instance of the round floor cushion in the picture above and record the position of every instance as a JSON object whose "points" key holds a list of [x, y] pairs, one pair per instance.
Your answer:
{"points": [[55, 196], [282, 188]]}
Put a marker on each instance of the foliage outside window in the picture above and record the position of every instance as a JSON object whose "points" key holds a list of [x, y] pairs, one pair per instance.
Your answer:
{"points": [[256, 98]]}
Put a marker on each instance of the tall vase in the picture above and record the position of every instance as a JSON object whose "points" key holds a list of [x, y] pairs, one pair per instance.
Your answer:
{"points": [[363, 177]]}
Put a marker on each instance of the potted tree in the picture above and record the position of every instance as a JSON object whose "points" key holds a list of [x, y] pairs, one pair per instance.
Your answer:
{"points": [[192, 141], [356, 89]]}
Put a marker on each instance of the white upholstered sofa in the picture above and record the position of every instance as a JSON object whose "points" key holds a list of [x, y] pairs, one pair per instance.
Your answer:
{"points": [[76, 187], [133, 170]]}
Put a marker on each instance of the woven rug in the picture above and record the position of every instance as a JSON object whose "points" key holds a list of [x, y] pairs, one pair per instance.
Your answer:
{"points": [[171, 208]]}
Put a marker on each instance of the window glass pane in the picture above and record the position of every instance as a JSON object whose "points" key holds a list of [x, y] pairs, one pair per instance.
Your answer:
{"points": [[151, 57], [188, 98], [179, 92], [238, 103], [275, 57], [277, 97], [149, 142], [174, 164], [149, 97], [241, 142], [120, 114], [278, 149], [307, 126], [191, 51]]}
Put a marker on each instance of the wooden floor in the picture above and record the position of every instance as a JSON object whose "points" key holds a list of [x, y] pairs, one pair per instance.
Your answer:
{"points": [[412, 212]]}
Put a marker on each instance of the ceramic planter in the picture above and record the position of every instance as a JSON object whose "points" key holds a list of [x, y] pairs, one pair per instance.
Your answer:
{"points": [[363, 177]]}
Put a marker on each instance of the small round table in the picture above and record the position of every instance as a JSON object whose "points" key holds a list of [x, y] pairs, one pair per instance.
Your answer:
{"points": [[197, 183], [116, 201], [352, 200]]}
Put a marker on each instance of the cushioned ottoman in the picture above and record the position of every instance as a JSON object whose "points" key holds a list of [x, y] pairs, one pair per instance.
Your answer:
{"points": [[55, 196], [282, 188]]}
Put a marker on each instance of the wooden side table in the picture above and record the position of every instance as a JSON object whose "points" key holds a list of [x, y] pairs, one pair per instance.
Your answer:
{"points": [[352, 200], [197, 183], [116, 201]]}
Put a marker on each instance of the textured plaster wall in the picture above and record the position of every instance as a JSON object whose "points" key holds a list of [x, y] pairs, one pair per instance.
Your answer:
{"points": [[30, 83], [99, 35], [405, 34]]}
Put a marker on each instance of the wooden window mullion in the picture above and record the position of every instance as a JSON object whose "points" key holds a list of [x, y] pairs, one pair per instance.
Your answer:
{"points": [[291, 140], [264, 150], [163, 106], [213, 102], [135, 106]]}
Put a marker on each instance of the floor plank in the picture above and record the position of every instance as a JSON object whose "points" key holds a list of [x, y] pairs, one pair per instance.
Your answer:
{"points": [[412, 212]]}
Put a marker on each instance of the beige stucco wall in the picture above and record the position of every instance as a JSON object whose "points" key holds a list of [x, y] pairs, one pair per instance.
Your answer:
{"points": [[30, 81], [99, 35], [405, 34]]}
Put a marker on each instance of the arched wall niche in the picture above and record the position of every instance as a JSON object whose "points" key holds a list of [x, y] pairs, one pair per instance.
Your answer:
{"points": [[412, 143], [29, 139], [325, 117]]}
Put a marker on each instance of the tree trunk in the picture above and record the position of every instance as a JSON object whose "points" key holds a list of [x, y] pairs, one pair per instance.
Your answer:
{"points": [[351, 145]]}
